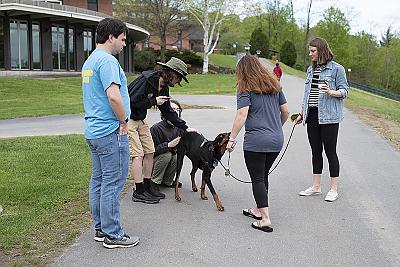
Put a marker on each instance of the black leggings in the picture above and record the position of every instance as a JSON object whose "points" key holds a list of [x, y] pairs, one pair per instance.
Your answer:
{"points": [[322, 136], [258, 165]]}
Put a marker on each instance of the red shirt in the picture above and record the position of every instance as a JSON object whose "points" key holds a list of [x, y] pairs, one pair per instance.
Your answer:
{"points": [[278, 71]]}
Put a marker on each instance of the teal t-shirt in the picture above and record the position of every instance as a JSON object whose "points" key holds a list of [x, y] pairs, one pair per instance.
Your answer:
{"points": [[99, 72]]}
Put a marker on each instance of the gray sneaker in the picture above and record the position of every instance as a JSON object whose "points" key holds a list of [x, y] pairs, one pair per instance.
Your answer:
{"points": [[311, 191], [331, 196], [125, 242], [99, 236]]}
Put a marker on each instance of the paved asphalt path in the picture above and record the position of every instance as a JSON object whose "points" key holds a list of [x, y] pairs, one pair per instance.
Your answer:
{"points": [[360, 229]]}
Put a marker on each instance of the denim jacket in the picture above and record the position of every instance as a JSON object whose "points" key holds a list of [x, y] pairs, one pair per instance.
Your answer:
{"points": [[330, 108]]}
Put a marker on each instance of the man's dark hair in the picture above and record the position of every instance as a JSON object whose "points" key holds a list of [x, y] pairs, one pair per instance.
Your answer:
{"points": [[277, 64], [109, 26]]}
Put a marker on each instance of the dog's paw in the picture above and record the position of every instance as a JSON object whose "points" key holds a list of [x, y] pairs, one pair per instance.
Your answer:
{"points": [[194, 189], [204, 197], [221, 208], [178, 198]]}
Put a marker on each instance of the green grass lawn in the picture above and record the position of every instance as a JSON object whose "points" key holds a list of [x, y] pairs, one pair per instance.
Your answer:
{"points": [[387, 107], [226, 61], [32, 97], [44, 194], [28, 97], [211, 84]]}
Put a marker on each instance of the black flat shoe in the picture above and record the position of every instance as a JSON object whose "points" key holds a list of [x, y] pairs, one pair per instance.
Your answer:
{"points": [[248, 213], [266, 228]]}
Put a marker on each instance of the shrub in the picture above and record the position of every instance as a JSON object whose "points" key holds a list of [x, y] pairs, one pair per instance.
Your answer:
{"points": [[288, 53], [187, 56], [144, 60], [259, 41]]}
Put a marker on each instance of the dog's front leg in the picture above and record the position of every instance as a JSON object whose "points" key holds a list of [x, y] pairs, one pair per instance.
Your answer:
{"points": [[207, 178], [203, 189], [179, 164], [193, 176]]}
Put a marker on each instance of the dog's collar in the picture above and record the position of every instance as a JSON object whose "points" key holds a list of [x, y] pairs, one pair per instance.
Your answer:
{"points": [[204, 141]]}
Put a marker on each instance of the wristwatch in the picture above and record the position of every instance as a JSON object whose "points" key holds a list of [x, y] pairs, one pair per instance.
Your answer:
{"points": [[125, 121]]}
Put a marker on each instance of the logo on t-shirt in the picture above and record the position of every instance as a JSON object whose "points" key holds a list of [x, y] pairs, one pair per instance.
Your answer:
{"points": [[86, 74]]}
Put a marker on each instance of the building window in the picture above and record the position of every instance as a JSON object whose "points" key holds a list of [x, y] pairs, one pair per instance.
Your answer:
{"points": [[92, 5], [58, 47], [87, 43], [19, 44], [1, 44], [71, 49], [36, 64]]}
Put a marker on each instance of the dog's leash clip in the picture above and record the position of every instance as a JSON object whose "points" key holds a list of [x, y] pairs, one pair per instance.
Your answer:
{"points": [[215, 164], [227, 172]]}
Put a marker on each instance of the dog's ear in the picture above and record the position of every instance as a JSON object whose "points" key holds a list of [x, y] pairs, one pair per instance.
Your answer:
{"points": [[211, 148]]}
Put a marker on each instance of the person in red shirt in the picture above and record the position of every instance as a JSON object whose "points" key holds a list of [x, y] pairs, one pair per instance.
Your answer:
{"points": [[278, 71]]}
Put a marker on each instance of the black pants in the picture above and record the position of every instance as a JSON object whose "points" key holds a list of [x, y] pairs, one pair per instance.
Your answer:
{"points": [[258, 165], [322, 136]]}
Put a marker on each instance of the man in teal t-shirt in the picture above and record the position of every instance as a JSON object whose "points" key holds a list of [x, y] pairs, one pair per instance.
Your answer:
{"points": [[107, 109]]}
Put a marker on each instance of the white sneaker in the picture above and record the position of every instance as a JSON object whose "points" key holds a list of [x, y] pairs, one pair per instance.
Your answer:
{"points": [[331, 196], [311, 191]]}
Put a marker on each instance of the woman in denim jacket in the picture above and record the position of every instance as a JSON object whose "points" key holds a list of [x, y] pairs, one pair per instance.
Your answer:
{"points": [[322, 110]]}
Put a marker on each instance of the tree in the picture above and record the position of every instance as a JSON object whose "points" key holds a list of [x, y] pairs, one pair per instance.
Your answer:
{"points": [[259, 41], [363, 50], [158, 16], [288, 53], [210, 14], [306, 31], [335, 28], [387, 37]]}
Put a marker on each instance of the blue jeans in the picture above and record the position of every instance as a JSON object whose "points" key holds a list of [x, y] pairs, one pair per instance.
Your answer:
{"points": [[110, 159]]}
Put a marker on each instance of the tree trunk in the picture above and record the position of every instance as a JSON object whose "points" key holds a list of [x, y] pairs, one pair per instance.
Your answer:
{"points": [[163, 41], [306, 37], [205, 63], [206, 36]]}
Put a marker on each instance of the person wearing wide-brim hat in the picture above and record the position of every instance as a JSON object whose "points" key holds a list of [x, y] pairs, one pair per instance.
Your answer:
{"points": [[176, 65], [151, 88]]}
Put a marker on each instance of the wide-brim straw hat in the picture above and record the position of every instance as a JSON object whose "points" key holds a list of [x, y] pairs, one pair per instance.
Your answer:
{"points": [[176, 65]]}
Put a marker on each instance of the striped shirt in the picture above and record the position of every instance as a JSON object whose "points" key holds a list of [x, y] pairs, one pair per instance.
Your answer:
{"points": [[314, 93]]}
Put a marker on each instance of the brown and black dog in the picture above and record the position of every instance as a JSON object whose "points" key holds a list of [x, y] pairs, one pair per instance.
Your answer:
{"points": [[204, 155]]}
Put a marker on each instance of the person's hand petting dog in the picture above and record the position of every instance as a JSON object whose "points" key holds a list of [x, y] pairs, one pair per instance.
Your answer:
{"points": [[191, 130]]}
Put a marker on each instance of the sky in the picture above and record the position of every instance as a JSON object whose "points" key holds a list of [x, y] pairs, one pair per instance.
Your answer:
{"points": [[371, 16]]}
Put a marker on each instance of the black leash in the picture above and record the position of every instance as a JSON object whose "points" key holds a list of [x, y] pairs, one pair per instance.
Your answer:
{"points": [[228, 172]]}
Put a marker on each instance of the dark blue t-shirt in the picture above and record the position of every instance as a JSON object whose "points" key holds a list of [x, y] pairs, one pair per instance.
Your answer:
{"points": [[263, 128]]}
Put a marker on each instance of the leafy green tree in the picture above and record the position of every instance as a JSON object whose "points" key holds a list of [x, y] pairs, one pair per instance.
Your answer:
{"points": [[288, 53], [335, 28], [387, 66], [158, 16], [363, 51], [259, 41]]}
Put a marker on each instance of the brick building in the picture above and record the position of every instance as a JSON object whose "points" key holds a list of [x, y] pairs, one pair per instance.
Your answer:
{"points": [[55, 35]]}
